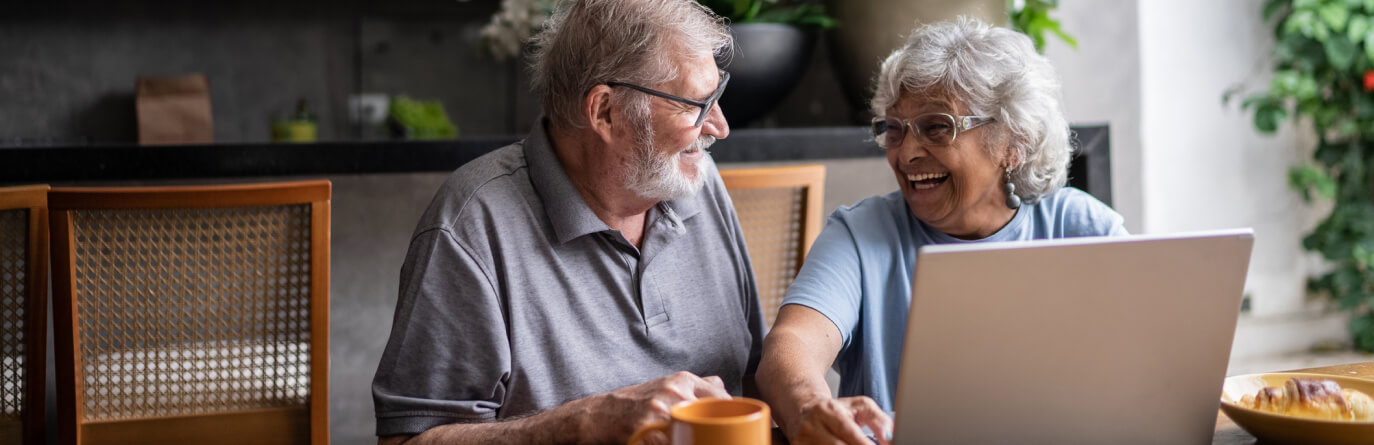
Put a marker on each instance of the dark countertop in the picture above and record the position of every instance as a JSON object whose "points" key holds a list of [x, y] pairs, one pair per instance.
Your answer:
{"points": [[220, 160], [26, 165]]}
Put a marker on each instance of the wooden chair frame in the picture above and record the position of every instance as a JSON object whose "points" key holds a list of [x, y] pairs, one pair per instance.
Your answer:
{"points": [[72, 430], [35, 199], [810, 178]]}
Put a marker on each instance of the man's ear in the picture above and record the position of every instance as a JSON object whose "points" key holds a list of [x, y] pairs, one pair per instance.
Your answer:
{"points": [[597, 106]]}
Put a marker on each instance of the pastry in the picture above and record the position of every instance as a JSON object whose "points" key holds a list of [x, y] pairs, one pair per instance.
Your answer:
{"points": [[1313, 399]]}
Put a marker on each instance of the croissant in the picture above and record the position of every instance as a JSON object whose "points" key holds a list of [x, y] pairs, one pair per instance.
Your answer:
{"points": [[1313, 399]]}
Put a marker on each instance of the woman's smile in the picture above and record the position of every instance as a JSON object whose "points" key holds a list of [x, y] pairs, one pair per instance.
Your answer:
{"points": [[926, 181]]}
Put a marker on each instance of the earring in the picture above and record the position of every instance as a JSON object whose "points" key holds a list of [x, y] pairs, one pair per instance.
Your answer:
{"points": [[1013, 201]]}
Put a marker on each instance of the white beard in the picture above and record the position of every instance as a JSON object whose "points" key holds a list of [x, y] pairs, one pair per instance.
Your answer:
{"points": [[652, 175]]}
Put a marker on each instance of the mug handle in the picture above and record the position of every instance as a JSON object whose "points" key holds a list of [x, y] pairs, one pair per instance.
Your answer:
{"points": [[638, 437]]}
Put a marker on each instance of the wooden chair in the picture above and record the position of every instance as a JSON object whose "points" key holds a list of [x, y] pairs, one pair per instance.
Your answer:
{"points": [[192, 315], [780, 212], [23, 313]]}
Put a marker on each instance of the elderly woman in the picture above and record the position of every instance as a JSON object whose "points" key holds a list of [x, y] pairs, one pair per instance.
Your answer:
{"points": [[971, 120]]}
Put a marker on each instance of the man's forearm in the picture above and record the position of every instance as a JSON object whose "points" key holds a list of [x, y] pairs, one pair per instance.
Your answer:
{"points": [[557, 426]]}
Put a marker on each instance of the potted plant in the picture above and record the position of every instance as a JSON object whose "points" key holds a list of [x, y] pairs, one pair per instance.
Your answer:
{"points": [[773, 38], [773, 43], [1323, 73], [874, 28], [1032, 18]]}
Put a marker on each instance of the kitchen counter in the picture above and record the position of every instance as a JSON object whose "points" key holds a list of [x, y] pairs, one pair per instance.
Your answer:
{"points": [[18, 165]]}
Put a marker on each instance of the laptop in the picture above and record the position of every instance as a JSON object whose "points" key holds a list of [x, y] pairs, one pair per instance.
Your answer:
{"points": [[1121, 340]]}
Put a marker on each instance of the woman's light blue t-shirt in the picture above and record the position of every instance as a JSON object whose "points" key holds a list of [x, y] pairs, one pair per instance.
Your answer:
{"points": [[858, 274]]}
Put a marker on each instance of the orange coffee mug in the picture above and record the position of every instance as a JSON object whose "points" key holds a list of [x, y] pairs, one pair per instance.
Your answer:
{"points": [[711, 421]]}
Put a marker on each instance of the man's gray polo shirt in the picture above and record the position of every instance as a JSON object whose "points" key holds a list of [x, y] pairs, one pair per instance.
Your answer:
{"points": [[515, 298]]}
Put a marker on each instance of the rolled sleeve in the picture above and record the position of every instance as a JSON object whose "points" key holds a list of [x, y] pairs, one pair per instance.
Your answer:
{"points": [[448, 359], [830, 279]]}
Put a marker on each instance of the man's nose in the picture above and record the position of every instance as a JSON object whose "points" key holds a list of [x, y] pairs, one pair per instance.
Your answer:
{"points": [[715, 124]]}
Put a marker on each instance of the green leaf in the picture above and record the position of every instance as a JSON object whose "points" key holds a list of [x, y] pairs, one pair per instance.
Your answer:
{"points": [[1359, 28], [1335, 16], [1347, 128], [1307, 88], [1364, 106], [1361, 256], [1272, 7], [1369, 6], [1033, 20], [1255, 100], [1303, 22], [1308, 178], [1340, 52], [1268, 115], [1285, 83], [1073, 43], [1369, 45], [741, 6], [754, 9], [1362, 331]]}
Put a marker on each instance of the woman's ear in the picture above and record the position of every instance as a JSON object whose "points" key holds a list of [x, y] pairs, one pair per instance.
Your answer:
{"points": [[1013, 160], [597, 105], [1011, 157]]}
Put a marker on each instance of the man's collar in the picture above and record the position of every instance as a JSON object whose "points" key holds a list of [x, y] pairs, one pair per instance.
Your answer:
{"points": [[564, 205]]}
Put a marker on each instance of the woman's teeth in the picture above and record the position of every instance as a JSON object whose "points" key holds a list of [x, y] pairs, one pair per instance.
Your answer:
{"points": [[926, 181]]}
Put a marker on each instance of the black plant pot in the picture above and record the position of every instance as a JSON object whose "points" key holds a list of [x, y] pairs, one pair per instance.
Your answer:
{"points": [[769, 59]]}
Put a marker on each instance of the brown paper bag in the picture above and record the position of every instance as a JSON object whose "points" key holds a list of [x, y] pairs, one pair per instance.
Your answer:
{"points": [[175, 110]]}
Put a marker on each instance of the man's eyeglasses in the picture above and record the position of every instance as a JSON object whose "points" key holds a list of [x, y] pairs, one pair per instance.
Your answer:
{"points": [[931, 130], [704, 105]]}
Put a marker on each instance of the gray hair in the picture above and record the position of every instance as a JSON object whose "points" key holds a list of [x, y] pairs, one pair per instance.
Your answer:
{"points": [[996, 72], [590, 42]]}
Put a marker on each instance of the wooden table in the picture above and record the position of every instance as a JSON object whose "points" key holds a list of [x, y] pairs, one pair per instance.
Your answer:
{"points": [[1227, 433]]}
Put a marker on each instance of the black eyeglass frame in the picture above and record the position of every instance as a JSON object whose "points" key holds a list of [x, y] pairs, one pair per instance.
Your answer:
{"points": [[705, 106]]}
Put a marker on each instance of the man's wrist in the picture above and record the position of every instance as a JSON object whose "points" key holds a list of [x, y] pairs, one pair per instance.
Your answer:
{"points": [[568, 422]]}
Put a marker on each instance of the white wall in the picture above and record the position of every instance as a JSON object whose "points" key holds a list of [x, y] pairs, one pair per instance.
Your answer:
{"points": [[1101, 81], [1203, 165]]}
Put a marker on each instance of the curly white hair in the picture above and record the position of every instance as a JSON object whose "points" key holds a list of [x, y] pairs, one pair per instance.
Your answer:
{"points": [[995, 72]]}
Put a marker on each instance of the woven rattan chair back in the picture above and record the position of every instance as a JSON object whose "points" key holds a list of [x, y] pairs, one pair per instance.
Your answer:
{"points": [[193, 315], [23, 313], [780, 212]]}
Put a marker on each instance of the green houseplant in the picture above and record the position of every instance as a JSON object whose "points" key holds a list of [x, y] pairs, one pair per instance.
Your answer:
{"points": [[1032, 18], [774, 41], [1323, 73], [517, 20], [796, 13]]}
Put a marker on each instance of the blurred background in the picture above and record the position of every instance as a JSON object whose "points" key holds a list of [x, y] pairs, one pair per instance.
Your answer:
{"points": [[1152, 73]]}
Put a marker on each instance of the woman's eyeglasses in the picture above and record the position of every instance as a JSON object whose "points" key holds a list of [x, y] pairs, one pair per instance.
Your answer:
{"points": [[704, 105], [931, 130]]}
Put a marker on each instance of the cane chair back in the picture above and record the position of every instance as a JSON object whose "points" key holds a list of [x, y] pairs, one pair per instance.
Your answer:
{"points": [[780, 212], [192, 314], [23, 313]]}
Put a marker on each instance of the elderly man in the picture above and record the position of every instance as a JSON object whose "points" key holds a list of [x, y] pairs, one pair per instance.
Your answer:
{"points": [[573, 286]]}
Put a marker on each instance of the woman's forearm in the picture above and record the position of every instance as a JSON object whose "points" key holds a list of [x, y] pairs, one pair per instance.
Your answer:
{"points": [[796, 355]]}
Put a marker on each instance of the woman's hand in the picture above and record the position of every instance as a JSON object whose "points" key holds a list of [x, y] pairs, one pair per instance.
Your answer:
{"points": [[840, 421]]}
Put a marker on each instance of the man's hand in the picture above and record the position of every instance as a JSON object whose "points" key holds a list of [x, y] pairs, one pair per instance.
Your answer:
{"points": [[603, 418], [839, 421], [614, 416]]}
